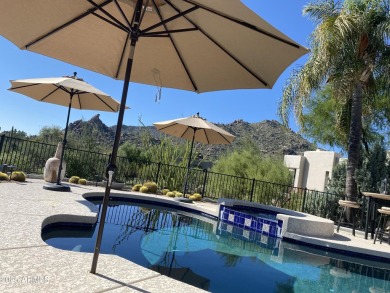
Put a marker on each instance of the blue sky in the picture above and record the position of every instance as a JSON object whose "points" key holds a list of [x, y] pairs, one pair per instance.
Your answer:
{"points": [[252, 106]]}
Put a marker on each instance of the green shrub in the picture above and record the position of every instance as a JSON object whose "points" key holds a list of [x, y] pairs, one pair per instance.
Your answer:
{"points": [[18, 176], [83, 181], [164, 191], [136, 187], [3, 176], [152, 187], [144, 189], [74, 179], [170, 194], [178, 194]]}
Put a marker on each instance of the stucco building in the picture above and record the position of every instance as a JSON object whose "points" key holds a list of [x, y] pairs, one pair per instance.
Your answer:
{"points": [[313, 169]]}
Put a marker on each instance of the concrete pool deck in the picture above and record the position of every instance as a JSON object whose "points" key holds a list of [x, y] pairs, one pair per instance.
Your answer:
{"points": [[28, 264]]}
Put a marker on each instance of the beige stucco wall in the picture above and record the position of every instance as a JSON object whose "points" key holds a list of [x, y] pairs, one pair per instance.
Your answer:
{"points": [[296, 163], [318, 168], [313, 169]]}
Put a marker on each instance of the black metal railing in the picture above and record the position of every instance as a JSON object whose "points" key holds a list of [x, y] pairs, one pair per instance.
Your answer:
{"points": [[30, 157]]}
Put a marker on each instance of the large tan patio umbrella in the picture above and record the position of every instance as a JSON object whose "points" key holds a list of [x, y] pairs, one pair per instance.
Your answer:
{"points": [[67, 91], [194, 128], [196, 45]]}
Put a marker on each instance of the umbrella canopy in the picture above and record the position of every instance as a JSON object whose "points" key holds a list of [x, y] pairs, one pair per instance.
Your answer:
{"points": [[58, 90], [196, 45], [67, 91], [196, 128]]}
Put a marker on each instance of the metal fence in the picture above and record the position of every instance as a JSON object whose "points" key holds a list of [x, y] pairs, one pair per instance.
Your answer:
{"points": [[30, 157]]}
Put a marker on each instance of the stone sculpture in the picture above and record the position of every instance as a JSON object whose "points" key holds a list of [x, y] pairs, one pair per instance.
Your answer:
{"points": [[52, 165]]}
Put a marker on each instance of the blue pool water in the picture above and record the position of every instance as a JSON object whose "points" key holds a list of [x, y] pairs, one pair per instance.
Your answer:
{"points": [[210, 254]]}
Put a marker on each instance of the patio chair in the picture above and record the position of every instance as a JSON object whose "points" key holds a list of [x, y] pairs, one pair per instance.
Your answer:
{"points": [[381, 228], [353, 205]]}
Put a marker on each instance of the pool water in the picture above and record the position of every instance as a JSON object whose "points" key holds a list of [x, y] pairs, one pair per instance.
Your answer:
{"points": [[208, 254]]}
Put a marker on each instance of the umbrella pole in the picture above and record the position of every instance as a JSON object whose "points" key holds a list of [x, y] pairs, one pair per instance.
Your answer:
{"points": [[111, 168], [64, 142], [58, 186], [188, 165]]}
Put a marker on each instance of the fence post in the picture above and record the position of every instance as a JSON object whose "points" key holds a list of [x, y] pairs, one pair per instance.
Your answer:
{"points": [[158, 172], [253, 188], [204, 182], [304, 200], [2, 138]]}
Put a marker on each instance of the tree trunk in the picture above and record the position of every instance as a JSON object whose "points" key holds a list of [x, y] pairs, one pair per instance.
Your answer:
{"points": [[355, 132]]}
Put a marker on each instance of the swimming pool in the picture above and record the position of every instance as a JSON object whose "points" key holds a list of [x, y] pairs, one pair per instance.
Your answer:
{"points": [[210, 254]]}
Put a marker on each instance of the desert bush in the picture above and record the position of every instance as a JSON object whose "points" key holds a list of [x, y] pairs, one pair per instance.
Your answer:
{"points": [[165, 191], [83, 181], [18, 176], [152, 187], [144, 189], [192, 197], [3, 176], [136, 187], [74, 179]]}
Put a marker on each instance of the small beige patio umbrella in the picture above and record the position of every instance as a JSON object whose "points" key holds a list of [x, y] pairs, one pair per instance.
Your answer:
{"points": [[194, 128], [69, 91], [195, 45]]}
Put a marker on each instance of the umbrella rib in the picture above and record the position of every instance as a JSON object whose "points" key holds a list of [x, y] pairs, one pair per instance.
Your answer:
{"points": [[122, 13], [99, 98], [53, 91], [85, 14], [224, 138], [221, 47], [163, 22], [247, 25], [205, 134], [114, 20], [111, 22], [122, 57], [158, 34], [23, 86], [187, 129], [78, 98], [177, 50], [170, 125]]}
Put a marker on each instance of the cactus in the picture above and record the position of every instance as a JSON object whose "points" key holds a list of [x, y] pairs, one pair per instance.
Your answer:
{"points": [[192, 197], [152, 187], [136, 187], [74, 179], [83, 181], [3, 176], [197, 196], [170, 194], [144, 189], [18, 176]]}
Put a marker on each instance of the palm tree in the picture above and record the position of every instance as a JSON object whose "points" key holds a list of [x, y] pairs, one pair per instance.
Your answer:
{"points": [[351, 57]]}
